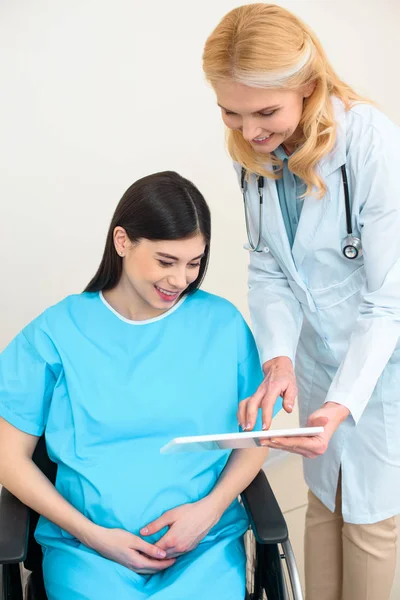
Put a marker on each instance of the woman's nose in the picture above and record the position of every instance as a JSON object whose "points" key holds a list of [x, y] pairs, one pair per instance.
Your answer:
{"points": [[178, 280]]}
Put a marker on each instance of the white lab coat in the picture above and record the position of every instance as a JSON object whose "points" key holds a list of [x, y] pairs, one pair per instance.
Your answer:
{"points": [[339, 319]]}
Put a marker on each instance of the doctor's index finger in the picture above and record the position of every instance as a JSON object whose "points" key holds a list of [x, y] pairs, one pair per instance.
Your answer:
{"points": [[241, 413], [252, 410], [252, 401]]}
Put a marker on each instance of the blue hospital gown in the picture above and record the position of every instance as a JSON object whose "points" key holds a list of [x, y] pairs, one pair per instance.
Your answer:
{"points": [[109, 393]]}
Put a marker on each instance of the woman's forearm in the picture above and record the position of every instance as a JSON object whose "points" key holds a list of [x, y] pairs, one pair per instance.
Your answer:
{"points": [[240, 470], [25, 481]]}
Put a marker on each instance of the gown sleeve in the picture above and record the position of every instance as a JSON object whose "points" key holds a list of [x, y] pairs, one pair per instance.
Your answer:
{"points": [[27, 381]]}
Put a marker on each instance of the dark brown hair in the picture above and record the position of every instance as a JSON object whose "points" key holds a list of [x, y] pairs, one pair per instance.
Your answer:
{"points": [[162, 206]]}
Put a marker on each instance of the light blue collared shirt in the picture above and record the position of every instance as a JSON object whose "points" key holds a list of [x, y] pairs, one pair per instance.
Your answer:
{"points": [[289, 188]]}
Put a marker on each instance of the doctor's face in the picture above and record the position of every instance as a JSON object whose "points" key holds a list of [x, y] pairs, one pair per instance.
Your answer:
{"points": [[156, 273], [266, 118]]}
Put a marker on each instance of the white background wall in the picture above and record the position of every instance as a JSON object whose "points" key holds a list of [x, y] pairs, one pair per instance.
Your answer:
{"points": [[95, 94]]}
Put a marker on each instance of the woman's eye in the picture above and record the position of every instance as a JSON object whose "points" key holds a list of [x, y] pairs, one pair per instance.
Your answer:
{"points": [[194, 265], [229, 114], [163, 263], [268, 114]]}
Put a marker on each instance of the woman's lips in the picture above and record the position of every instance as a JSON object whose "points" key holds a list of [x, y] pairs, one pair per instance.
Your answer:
{"points": [[166, 297]]}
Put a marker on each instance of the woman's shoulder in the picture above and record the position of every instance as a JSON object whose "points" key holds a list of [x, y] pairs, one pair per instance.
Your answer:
{"points": [[59, 315], [69, 305], [207, 299], [215, 313], [215, 306], [43, 332]]}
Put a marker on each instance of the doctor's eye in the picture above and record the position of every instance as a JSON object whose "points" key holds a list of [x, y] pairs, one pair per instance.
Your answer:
{"points": [[194, 265], [268, 114]]}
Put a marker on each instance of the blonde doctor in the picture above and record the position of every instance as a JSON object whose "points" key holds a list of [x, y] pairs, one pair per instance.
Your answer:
{"points": [[319, 169]]}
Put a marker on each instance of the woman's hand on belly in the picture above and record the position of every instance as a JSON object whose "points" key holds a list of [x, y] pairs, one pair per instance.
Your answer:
{"points": [[188, 524], [129, 550]]}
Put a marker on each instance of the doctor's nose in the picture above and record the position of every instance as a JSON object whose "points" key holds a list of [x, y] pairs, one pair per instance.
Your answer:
{"points": [[250, 130]]}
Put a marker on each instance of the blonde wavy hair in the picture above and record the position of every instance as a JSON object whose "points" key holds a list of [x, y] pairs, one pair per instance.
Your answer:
{"points": [[266, 46]]}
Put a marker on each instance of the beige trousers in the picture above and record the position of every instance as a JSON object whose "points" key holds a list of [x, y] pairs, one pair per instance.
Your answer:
{"points": [[345, 561]]}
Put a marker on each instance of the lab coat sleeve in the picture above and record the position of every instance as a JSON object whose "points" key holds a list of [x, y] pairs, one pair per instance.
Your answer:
{"points": [[376, 333], [275, 312]]}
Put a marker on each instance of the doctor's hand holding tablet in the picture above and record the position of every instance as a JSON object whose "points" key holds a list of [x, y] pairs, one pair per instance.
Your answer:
{"points": [[280, 380]]}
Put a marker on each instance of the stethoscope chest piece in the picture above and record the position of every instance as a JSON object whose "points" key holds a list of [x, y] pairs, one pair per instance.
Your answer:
{"points": [[351, 247]]}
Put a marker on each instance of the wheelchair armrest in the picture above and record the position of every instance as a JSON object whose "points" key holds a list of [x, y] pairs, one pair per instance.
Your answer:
{"points": [[266, 518], [14, 525]]}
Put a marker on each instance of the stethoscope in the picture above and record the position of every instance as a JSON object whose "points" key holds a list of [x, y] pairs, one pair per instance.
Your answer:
{"points": [[351, 245]]}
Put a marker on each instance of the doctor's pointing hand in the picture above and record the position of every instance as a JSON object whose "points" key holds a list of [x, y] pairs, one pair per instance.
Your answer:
{"points": [[280, 380], [318, 167]]}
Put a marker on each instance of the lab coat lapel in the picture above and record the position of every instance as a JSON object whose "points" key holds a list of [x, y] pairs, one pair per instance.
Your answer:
{"points": [[311, 216], [276, 226], [314, 209]]}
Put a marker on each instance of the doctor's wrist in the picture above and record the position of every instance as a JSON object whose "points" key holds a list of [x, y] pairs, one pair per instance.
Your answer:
{"points": [[278, 361], [337, 412]]}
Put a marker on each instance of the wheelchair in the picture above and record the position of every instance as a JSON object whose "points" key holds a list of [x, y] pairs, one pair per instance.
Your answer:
{"points": [[271, 572]]}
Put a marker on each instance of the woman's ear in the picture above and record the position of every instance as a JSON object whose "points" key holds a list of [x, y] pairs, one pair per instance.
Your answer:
{"points": [[120, 241]]}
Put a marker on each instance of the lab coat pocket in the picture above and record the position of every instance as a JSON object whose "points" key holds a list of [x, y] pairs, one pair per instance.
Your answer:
{"points": [[327, 297], [337, 309]]}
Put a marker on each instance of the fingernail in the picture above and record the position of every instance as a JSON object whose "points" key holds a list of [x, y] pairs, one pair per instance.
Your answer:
{"points": [[145, 530], [290, 406], [273, 441], [264, 426], [248, 426], [161, 554]]}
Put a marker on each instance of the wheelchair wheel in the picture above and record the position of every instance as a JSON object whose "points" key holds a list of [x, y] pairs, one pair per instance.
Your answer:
{"points": [[271, 572]]}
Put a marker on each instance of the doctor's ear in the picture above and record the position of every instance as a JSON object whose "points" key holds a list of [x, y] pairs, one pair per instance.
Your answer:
{"points": [[309, 89]]}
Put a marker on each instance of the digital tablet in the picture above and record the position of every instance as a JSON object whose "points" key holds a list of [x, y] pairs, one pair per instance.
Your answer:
{"points": [[228, 441]]}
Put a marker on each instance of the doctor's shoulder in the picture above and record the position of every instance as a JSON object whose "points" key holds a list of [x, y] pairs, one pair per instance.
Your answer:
{"points": [[369, 129]]}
